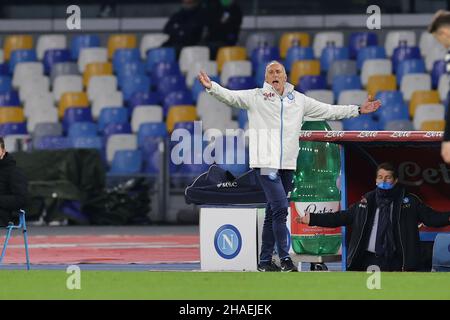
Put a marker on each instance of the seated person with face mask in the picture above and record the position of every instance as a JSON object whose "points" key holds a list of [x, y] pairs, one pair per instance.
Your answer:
{"points": [[384, 225]]}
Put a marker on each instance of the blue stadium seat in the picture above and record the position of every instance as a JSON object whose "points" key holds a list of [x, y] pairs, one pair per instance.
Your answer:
{"points": [[9, 99], [112, 115], [260, 75], [83, 41], [125, 55], [163, 69], [157, 55], [129, 69], [170, 83], [13, 128], [404, 53], [151, 129], [359, 40], [52, 143], [177, 97], [437, 71], [311, 83], [53, 56], [116, 128], [73, 115], [197, 88], [264, 54], [47, 129], [4, 69], [392, 112], [142, 98], [151, 154], [295, 53], [389, 97], [409, 66], [83, 129], [241, 83], [361, 123], [242, 118], [132, 84], [332, 53], [126, 162], [187, 125], [345, 82], [5, 84], [21, 55], [371, 52], [87, 143]]}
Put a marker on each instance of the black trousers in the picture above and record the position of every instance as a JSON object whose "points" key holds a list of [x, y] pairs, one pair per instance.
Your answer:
{"points": [[371, 259]]}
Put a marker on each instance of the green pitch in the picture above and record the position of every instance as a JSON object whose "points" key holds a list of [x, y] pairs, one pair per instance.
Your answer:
{"points": [[226, 285]]}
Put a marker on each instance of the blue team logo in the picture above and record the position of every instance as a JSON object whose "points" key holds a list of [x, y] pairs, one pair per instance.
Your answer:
{"points": [[290, 96], [228, 241], [406, 200]]}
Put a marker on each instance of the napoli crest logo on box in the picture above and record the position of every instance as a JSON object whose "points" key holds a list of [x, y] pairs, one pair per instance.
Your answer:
{"points": [[228, 241]]}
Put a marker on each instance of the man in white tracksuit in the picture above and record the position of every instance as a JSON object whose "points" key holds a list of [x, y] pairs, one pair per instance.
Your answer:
{"points": [[275, 117]]}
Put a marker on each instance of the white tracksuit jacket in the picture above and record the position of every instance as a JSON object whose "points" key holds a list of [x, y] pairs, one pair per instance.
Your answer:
{"points": [[275, 121]]}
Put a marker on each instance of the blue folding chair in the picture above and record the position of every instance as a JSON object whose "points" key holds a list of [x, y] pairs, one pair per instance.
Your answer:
{"points": [[197, 87], [307, 83], [9, 99], [53, 56], [141, 98], [22, 225], [370, 52], [241, 83], [125, 55], [332, 53], [345, 82], [437, 71], [152, 129], [21, 55], [404, 53], [176, 98], [13, 128], [4, 69], [83, 41], [264, 54], [441, 253], [112, 115], [132, 84], [409, 66], [157, 55], [361, 123], [172, 82], [163, 69], [5, 84], [295, 53], [126, 162], [359, 40]]}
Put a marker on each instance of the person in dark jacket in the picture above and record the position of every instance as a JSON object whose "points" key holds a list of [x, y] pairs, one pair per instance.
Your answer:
{"points": [[13, 186], [384, 225]]}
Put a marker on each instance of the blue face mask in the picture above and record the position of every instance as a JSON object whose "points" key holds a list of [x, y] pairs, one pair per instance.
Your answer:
{"points": [[385, 185]]}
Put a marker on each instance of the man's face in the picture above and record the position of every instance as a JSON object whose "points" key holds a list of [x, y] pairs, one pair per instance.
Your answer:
{"points": [[443, 36], [386, 176], [276, 76]]}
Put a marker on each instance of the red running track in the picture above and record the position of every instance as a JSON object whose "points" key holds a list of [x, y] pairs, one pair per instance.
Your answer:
{"points": [[110, 249]]}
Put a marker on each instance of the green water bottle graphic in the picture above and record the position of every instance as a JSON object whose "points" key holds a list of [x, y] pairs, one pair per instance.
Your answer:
{"points": [[315, 189]]}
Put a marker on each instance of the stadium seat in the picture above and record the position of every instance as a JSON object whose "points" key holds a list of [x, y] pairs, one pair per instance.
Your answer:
{"points": [[48, 42], [389, 97], [96, 69], [51, 143], [25, 70], [403, 53], [11, 115], [399, 125], [13, 128], [112, 115], [82, 129], [426, 42], [50, 115], [40, 103], [153, 158], [2, 56], [437, 71], [197, 88], [392, 112], [381, 83], [123, 141], [208, 108], [371, 52], [63, 69], [54, 56], [134, 84], [361, 123], [354, 97], [192, 54], [258, 39], [4, 69], [183, 97], [332, 53], [151, 129], [243, 119], [444, 86], [67, 83], [360, 40], [91, 55], [180, 113], [143, 114], [434, 54], [72, 100], [158, 55], [345, 82], [311, 83], [21, 56], [433, 125], [234, 159], [325, 96], [440, 258], [396, 38], [375, 67], [143, 98], [210, 67], [422, 97], [120, 41], [86, 143], [32, 87], [75, 115], [241, 83], [16, 42], [163, 69], [101, 85], [43, 129], [10, 98], [425, 113], [17, 142], [295, 53], [126, 162], [304, 68], [128, 70], [230, 54], [125, 55], [263, 55], [235, 68], [413, 82], [112, 99], [340, 67], [5, 84], [324, 39], [82, 41], [170, 83], [116, 128], [150, 41], [289, 39]]}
